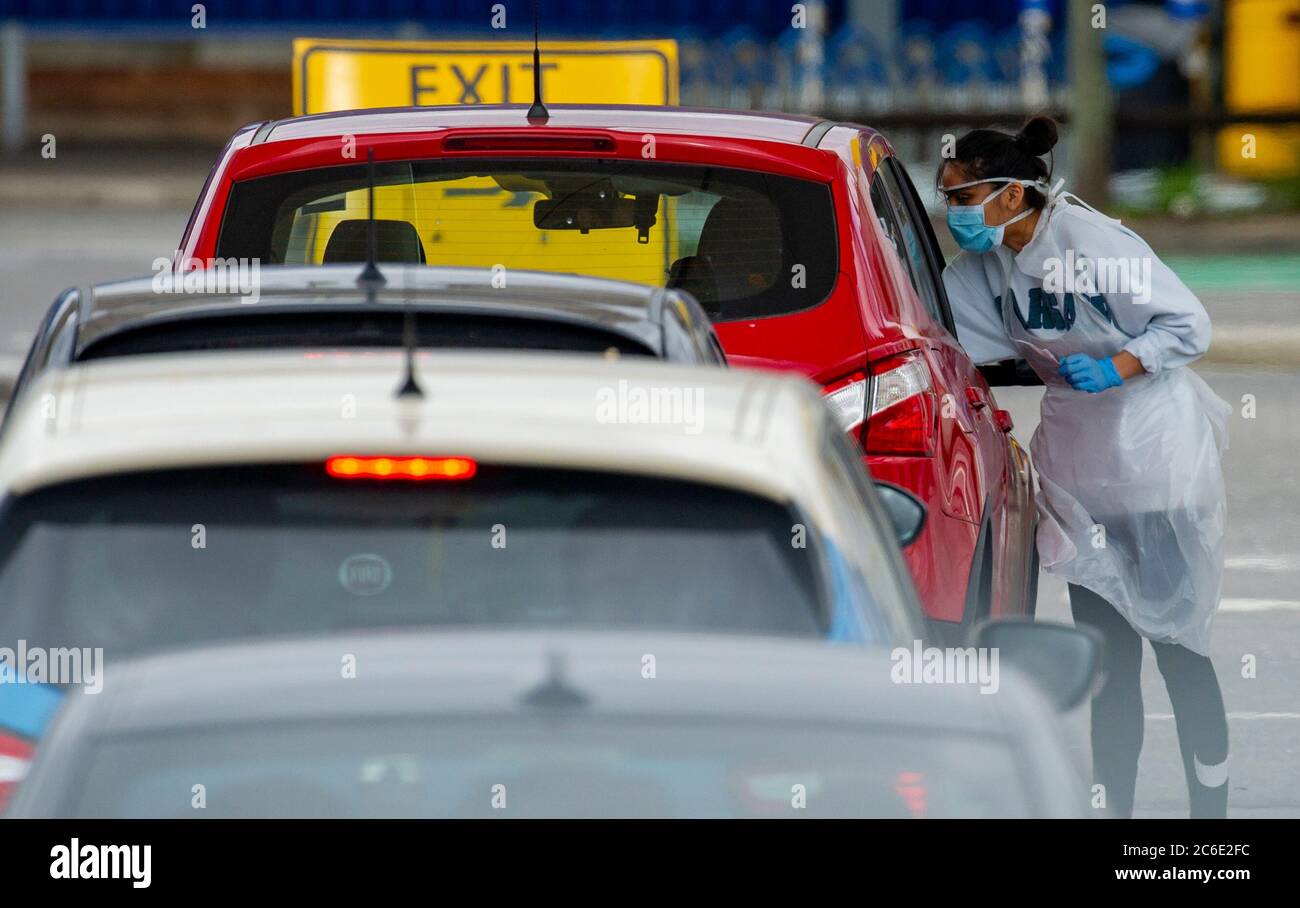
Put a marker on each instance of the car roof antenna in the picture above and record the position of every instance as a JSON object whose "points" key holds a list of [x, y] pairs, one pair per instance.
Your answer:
{"points": [[537, 114], [556, 691], [410, 387], [371, 279]]}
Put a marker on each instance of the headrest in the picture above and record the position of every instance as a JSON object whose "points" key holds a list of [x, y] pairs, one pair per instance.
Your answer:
{"points": [[395, 241], [742, 240]]}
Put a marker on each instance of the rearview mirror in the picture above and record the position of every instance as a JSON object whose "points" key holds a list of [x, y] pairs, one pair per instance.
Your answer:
{"points": [[906, 512], [1064, 661], [598, 208]]}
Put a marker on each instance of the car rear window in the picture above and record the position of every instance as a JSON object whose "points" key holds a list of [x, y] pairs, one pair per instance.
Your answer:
{"points": [[745, 244], [583, 767], [137, 562], [317, 330]]}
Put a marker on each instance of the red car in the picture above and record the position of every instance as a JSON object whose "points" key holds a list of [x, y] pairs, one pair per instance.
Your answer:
{"points": [[804, 240]]}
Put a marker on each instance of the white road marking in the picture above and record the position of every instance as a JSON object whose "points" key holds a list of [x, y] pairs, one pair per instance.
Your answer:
{"points": [[1258, 605], [1237, 604], [1242, 716], [1279, 563]]}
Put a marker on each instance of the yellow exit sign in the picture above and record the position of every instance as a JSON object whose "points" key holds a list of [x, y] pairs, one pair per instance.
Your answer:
{"points": [[330, 74]]}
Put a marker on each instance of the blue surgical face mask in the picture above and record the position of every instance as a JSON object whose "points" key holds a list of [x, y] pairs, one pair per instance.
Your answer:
{"points": [[967, 224]]}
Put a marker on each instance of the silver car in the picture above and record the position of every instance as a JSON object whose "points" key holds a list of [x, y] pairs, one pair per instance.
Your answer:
{"points": [[546, 724]]}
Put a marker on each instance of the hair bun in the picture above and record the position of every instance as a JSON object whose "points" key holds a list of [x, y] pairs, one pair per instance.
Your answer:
{"points": [[1037, 136]]}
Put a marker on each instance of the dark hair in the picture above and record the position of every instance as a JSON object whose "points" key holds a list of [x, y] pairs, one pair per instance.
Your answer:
{"points": [[995, 153]]}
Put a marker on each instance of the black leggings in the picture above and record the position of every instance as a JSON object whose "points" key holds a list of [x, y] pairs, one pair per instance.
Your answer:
{"points": [[1117, 711]]}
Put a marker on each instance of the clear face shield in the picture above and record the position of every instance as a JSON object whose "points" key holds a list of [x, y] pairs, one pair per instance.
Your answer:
{"points": [[1041, 185]]}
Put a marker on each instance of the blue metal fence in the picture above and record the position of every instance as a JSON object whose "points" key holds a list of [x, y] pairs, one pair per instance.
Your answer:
{"points": [[734, 53], [764, 17]]}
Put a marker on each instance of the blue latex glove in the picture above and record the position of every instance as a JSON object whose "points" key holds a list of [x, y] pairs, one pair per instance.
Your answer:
{"points": [[1087, 374]]}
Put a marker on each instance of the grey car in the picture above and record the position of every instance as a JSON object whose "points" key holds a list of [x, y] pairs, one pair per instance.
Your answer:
{"points": [[538, 724], [324, 308]]}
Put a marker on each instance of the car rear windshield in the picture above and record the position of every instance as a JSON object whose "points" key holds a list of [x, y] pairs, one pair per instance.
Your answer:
{"points": [[326, 330], [136, 562], [582, 767], [745, 244]]}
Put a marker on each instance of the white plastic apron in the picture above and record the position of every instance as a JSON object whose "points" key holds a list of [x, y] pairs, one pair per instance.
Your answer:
{"points": [[1131, 501]]}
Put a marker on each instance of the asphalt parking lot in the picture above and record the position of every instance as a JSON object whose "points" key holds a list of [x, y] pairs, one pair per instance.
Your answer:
{"points": [[50, 248], [1259, 616]]}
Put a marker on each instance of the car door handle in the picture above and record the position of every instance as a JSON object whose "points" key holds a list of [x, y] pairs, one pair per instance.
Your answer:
{"points": [[975, 397]]}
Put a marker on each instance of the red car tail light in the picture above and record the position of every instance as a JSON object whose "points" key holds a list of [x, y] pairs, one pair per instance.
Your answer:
{"points": [[847, 399], [347, 466], [913, 792], [901, 413], [15, 756]]}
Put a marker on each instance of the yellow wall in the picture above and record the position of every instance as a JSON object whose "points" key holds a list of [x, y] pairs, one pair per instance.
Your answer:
{"points": [[1261, 72]]}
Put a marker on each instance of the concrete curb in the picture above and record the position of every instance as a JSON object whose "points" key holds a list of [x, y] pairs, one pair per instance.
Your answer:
{"points": [[108, 191], [1264, 347]]}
